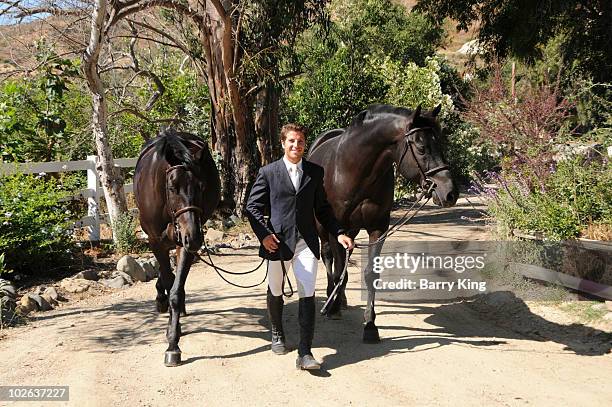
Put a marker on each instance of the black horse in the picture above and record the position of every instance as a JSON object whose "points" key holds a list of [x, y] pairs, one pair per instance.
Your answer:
{"points": [[359, 182], [177, 188]]}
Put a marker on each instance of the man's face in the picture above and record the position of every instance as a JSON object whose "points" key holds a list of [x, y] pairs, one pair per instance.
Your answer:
{"points": [[294, 146]]}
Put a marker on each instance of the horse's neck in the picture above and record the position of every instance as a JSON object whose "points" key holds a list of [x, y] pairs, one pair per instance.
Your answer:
{"points": [[376, 146]]}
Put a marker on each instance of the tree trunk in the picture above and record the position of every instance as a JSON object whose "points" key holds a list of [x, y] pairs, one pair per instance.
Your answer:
{"points": [[233, 128], [267, 123], [110, 177]]}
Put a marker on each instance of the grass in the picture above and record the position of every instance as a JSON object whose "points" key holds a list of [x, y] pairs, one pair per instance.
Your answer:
{"points": [[585, 310]]}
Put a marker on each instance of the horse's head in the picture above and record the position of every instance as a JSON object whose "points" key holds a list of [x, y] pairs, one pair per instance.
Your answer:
{"points": [[419, 157], [183, 194]]}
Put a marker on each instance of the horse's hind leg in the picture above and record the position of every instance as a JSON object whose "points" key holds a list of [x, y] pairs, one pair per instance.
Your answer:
{"points": [[339, 260], [177, 301], [165, 279], [370, 331]]}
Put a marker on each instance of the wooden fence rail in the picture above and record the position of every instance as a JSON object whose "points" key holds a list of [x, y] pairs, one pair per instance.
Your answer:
{"points": [[92, 193]]}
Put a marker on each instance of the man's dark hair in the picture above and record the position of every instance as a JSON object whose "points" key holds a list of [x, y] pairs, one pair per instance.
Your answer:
{"points": [[292, 127]]}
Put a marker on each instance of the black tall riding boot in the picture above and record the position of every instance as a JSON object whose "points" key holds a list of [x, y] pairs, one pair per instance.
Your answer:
{"points": [[306, 316], [275, 314]]}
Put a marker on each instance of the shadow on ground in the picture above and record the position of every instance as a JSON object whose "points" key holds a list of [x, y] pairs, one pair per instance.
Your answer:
{"points": [[470, 323]]}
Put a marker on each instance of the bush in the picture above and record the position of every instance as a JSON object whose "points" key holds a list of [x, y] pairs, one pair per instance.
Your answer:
{"points": [[125, 234], [576, 195], [34, 234]]}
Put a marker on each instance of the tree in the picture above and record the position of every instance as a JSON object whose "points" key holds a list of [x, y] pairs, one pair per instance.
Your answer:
{"points": [[522, 28], [244, 49]]}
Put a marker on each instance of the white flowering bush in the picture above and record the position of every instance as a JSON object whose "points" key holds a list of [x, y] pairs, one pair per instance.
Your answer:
{"points": [[34, 233], [411, 85]]}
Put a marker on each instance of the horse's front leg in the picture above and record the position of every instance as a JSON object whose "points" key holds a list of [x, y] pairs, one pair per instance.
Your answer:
{"points": [[177, 301], [370, 331], [328, 261], [165, 278]]}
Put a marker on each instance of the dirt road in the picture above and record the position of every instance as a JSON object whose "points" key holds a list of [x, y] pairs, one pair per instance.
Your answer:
{"points": [[109, 349]]}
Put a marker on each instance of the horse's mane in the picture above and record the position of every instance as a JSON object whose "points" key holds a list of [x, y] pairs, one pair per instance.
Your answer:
{"points": [[380, 111], [174, 147]]}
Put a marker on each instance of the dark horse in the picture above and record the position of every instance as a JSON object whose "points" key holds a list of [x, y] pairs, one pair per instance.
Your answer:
{"points": [[177, 188], [359, 182]]}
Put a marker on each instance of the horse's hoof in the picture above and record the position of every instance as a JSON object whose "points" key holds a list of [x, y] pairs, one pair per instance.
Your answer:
{"points": [[335, 316], [370, 333], [172, 358], [162, 307]]}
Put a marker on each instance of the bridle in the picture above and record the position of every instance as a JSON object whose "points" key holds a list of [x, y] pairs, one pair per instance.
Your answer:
{"points": [[174, 214], [427, 183]]}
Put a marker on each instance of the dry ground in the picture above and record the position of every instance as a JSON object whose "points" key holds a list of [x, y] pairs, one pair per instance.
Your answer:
{"points": [[109, 349]]}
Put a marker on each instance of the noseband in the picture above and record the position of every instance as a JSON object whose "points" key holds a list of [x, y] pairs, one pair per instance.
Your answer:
{"points": [[428, 183], [174, 214]]}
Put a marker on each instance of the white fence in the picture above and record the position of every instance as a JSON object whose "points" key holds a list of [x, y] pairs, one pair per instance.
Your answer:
{"points": [[93, 193]]}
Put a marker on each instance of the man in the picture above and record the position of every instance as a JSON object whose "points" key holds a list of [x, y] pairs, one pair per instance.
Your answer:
{"points": [[291, 191]]}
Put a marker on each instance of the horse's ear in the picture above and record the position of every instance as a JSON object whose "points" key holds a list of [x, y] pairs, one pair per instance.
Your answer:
{"points": [[357, 120], [436, 111], [416, 113]]}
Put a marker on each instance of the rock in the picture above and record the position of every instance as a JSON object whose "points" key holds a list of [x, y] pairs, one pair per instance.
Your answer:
{"points": [[7, 308], [51, 292], [150, 271], [128, 265], [7, 288], [43, 305], [214, 235], [153, 261], [125, 276], [38, 290], [49, 299], [117, 282], [90, 274], [609, 305], [75, 285], [28, 304], [608, 316]]}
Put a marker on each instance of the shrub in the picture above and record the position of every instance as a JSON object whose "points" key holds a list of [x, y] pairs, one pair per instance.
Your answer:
{"points": [[125, 234], [577, 196], [34, 234]]}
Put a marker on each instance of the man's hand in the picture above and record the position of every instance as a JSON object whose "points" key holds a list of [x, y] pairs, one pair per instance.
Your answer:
{"points": [[346, 241], [271, 242]]}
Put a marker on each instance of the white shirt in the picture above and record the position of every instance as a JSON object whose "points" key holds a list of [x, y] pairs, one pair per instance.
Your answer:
{"points": [[295, 172]]}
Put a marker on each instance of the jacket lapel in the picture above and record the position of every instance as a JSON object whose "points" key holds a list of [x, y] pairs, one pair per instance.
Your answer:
{"points": [[305, 175]]}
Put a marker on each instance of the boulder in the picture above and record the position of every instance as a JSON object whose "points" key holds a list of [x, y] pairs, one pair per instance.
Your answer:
{"points": [[214, 235], [75, 285], [50, 300], [27, 305], [51, 292], [117, 282], [7, 288], [128, 265], [150, 271], [125, 276], [43, 305], [90, 274]]}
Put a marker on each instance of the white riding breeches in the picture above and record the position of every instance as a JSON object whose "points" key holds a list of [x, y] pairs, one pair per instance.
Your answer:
{"points": [[304, 265]]}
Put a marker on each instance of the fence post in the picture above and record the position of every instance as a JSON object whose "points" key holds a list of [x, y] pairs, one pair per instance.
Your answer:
{"points": [[93, 199]]}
